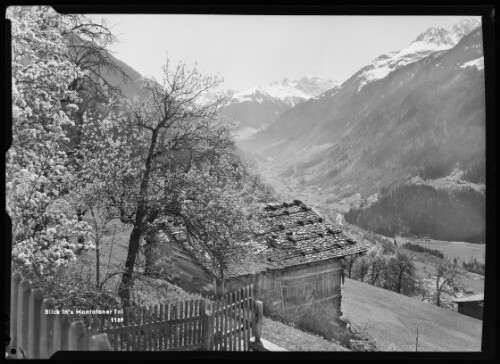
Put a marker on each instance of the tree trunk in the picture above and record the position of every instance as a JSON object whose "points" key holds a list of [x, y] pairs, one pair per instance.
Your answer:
{"points": [[400, 278], [148, 255], [79, 215], [223, 289], [362, 272], [135, 236], [98, 262], [438, 293], [127, 281]]}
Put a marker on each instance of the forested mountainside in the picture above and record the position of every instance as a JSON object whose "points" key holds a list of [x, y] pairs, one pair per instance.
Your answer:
{"points": [[425, 211], [128, 85], [422, 119], [325, 120], [425, 119]]}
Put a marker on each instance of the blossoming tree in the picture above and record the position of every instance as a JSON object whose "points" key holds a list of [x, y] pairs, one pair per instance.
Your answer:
{"points": [[44, 228]]}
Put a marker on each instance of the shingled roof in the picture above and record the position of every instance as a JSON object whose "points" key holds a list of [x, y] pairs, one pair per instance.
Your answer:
{"points": [[473, 298], [292, 234]]}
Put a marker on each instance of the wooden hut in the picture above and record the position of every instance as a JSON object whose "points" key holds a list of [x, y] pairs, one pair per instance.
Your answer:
{"points": [[294, 262], [471, 305]]}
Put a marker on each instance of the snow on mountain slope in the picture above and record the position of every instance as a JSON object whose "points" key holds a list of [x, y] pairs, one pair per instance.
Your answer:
{"points": [[260, 94], [331, 115], [288, 91], [256, 108], [432, 40], [478, 63]]}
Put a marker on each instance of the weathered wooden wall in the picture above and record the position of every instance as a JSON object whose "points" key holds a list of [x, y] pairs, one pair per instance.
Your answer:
{"points": [[176, 264], [306, 295], [472, 309]]}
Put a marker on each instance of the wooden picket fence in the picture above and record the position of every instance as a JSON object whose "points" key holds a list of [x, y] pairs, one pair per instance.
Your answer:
{"points": [[226, 324], [233, 319], [164, 327], [36, 335]]}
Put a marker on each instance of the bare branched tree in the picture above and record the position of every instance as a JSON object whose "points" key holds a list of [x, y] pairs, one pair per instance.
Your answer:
{"points": [[179, 118], [349, 263], [400, 269], [447, 279]]}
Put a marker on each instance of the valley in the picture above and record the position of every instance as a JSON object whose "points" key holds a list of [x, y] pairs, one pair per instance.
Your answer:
{"points": [[333, 207], [397, 149], [323, 189]]}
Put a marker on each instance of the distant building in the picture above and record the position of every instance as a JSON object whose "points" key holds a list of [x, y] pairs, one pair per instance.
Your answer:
{"points": [[471, 305], [294, 263]]}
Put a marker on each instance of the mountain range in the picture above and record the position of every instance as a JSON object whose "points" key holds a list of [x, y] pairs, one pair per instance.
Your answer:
{"points": [[258, 107], [415, 112], [366, 114], [432, 40]]}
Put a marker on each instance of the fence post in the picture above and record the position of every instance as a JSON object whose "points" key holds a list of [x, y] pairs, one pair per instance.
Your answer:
{"points": [[78, 337], [14, 288], [100, 342], [248, 316], [23, 302], [259, 315], [57, 334], [208, 328], [65, 328], [46, 328], [36, 299]]}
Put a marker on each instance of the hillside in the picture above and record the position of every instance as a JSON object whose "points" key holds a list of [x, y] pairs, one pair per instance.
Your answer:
{"points": [[129, 87], [391, 320], [423, 118], [422, 210], [413, 117]]}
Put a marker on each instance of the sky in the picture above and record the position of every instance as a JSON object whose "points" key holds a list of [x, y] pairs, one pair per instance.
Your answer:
{"points": [[254, 50]]}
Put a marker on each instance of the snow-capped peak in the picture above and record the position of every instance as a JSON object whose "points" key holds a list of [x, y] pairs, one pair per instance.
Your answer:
{"points": [[441, 37], [432, 40], [464, 27], [288, 91]]}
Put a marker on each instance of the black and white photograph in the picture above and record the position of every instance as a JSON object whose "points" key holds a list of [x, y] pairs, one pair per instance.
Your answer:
{"points": [[246, 182]]}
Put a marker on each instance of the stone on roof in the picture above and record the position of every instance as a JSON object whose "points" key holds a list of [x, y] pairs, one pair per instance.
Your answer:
{"points": [[292, 234]]}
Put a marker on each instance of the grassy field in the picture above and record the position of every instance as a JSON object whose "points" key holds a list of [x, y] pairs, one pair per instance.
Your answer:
{"points": [[388, 317], [391, 320], [293, 339], [451, 249], [113, 249]]}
